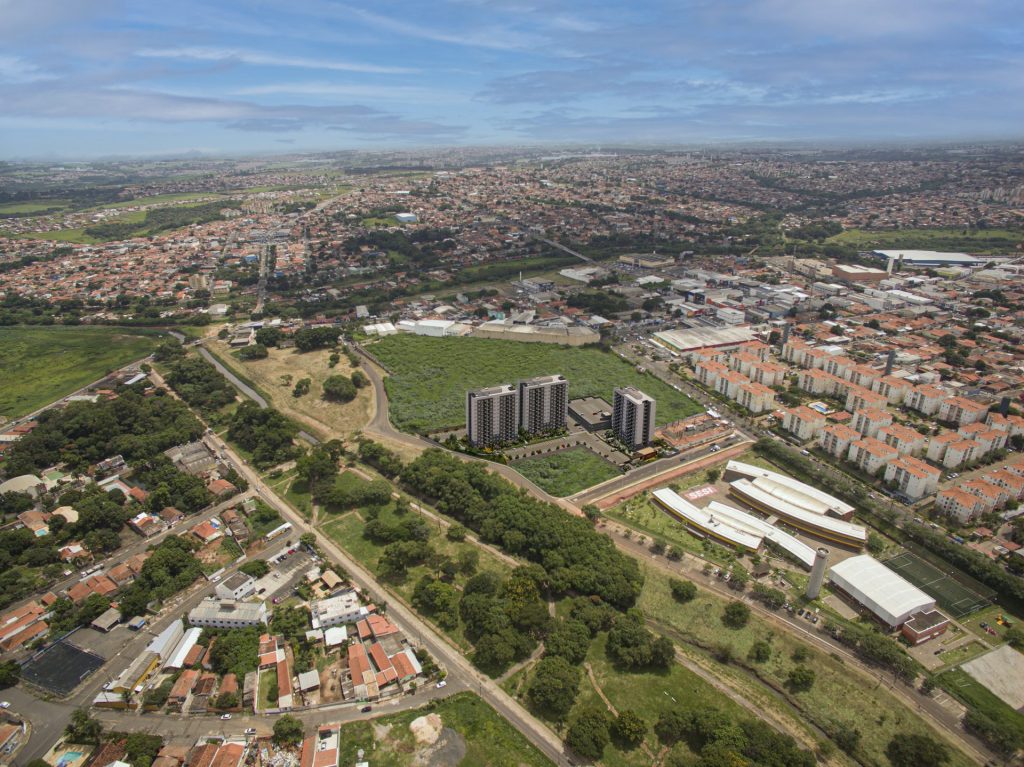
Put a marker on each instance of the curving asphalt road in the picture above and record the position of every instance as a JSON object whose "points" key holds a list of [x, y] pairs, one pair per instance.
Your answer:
{"points": [[380, 424]]}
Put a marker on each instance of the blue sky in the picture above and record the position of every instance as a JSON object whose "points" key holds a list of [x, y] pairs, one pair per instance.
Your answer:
{"points": [[89, 78]]}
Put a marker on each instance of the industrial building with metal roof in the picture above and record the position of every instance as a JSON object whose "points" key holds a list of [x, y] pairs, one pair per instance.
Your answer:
{"points": [[873, 585]]}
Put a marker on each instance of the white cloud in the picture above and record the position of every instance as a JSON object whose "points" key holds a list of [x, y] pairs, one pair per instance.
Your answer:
{"points": [[16, 70], [192, 53]]}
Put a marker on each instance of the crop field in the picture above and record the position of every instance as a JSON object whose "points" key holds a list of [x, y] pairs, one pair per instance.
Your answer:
{"points": [[473, 735], [430, 376], [567, 471], [994, 241], [41, 364]]}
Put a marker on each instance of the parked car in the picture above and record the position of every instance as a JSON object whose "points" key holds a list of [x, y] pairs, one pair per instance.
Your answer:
{"points": [[4, 704], [250, 731], [441, 684]]}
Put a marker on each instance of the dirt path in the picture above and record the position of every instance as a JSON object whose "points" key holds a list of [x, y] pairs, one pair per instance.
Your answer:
{"points": [[615, 712]]}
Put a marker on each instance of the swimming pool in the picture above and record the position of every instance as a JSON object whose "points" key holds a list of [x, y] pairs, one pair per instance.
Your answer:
{"points": [[69, 757]]}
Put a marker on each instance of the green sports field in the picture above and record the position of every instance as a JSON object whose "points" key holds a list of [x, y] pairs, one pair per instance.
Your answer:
{"points": [[41, 364], [430, 376]]}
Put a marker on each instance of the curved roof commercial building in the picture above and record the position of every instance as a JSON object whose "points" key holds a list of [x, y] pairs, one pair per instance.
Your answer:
{"points": [[796, 548], [888, 596], [704, 521], [756, 495], [792, 491]]}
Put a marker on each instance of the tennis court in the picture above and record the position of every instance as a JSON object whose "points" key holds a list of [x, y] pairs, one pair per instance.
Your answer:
{"points": [[952, 595]]}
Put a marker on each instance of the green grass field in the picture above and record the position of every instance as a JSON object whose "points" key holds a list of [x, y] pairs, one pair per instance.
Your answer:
{"points": [[975, 695], [839, 697], [39, 365], [992, 241], [431, 376], [566, 472], [157, 199], [76, 236], [489, 740], [32, 207]]}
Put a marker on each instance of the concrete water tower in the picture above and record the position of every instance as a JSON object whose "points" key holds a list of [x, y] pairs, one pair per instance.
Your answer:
{"points": [[817, 573]]}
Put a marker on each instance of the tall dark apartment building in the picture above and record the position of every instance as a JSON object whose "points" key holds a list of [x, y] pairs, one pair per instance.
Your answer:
{"points": [[492, 415], [633, 417], [543, 404]]}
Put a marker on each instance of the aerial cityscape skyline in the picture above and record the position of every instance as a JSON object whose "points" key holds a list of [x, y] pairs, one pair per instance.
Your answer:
{"points": [[86, 80]]}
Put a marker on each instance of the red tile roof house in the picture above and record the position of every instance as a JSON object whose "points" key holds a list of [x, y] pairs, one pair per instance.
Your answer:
{"points": [[207, 532], [221, 487]]}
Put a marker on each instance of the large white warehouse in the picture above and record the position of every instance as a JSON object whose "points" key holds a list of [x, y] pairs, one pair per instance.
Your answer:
{"points": [[891, 598]]}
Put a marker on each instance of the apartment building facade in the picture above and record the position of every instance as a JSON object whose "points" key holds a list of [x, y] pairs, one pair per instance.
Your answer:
{"points": [[492, 415], [543, 404], [633, 416]]}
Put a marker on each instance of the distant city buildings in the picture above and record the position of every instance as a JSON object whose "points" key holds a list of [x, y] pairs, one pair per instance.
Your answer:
{"points": [[633, 416]]}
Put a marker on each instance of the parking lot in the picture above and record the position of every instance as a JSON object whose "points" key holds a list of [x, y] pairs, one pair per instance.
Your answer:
{"points": [[284, 574]]}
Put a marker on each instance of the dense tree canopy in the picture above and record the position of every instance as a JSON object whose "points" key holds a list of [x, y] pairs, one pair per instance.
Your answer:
{"points": [[84, 433], [339, 389], [266, 434], [574, 556], [631, 645], [554, 686], [198, 383]]}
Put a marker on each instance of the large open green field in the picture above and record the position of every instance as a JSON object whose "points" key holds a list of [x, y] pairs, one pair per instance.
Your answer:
{"points": [[430, 376], [566, 472], [993, 241], [481, 739], [839, 697], [40, 365], [77, 236], [32, 207]]}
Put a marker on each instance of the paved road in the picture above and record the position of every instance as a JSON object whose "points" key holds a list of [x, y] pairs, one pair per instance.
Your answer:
{"points": [[50, 716], [931, 710], [940, 718], [418, 631], [380, 424], [127, 552]]}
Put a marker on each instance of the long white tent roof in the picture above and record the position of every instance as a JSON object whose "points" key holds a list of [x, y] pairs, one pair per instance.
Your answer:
{"points": [[879, 589], [793, 491], [799, 550], [784, 508], [704, 520]]}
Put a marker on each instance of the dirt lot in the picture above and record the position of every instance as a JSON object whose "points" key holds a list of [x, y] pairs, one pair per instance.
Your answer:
{"points": [[330, 681], [276, 376]]}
